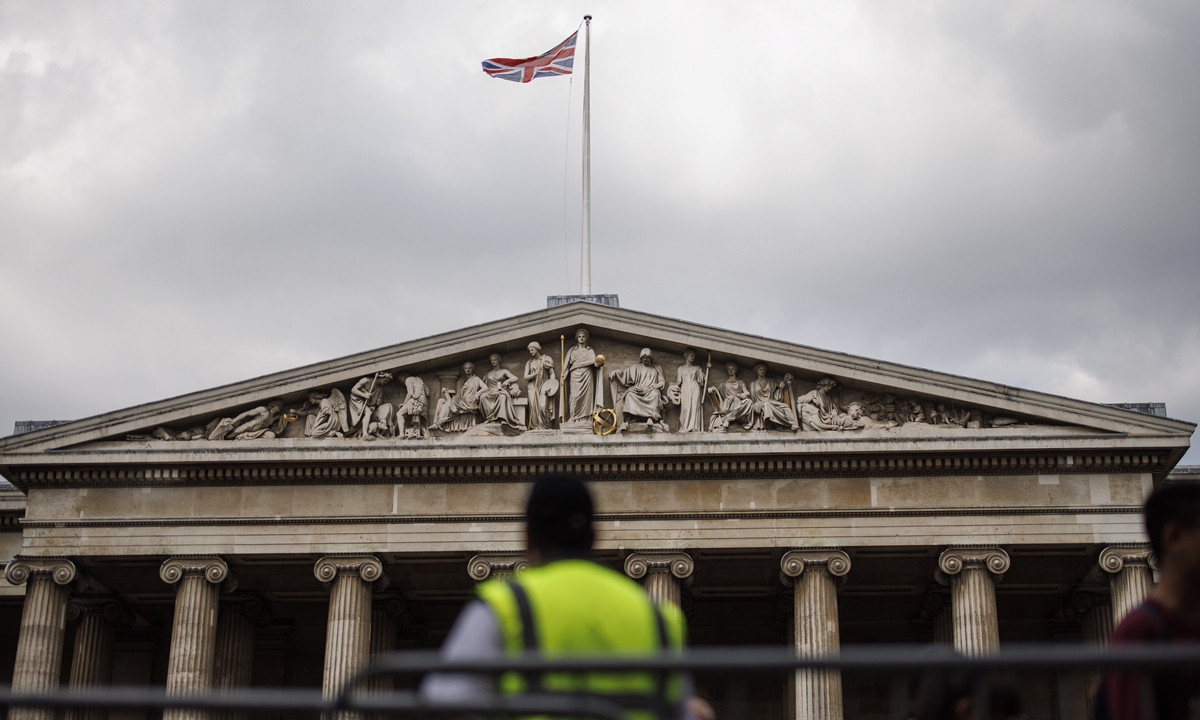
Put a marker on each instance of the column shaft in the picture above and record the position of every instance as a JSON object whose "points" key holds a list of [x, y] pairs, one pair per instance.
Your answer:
{"points": [[1131, 585], [818, 693], [39, 648], [91, 664], [233, 662], [662, 587], [973, 599], [348, 633], [383, 640], [943, 627], [193, 642]]}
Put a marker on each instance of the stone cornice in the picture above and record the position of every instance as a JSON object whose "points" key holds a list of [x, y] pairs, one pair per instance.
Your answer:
{"points": [[21, 569], [1066, 510], [954, 560], [1116, 557], [481, 567], [596, 469], [678, 564]]}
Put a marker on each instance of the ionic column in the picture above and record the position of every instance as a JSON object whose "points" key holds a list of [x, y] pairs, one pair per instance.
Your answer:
{"points": [[662, 574], [482, 567], [1129, 570], [814, 578], [197, 582], [95, 639], [973, 573], [43, 624], [351, 581], [386, 615], [1095, 614], [935, 610], [233, 662]]}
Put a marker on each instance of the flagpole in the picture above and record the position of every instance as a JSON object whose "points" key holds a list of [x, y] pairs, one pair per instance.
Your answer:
{"points": [[585, 281]]}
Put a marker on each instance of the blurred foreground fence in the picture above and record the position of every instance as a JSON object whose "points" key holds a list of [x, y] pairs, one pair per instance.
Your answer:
{"points": [[900, 664]]}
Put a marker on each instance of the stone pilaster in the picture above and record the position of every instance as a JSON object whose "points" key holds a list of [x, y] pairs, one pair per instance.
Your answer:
{"points": [[197, 582], [43, 625], [233, 662], [973, 573], [814, 575], [482, 567], [351, 581], [661, 574], [1129, 568], [95, 640]]}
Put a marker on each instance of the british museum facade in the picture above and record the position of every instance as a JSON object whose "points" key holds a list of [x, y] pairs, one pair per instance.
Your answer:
{"points": [[276, 531]]}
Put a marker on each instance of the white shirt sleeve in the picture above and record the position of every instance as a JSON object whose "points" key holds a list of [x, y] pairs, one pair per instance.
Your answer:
{"points": [[475, 636]]}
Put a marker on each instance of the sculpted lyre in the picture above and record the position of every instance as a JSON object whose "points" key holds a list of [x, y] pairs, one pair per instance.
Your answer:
{"points": [[496, 402], [540, 387], [582, 375], [688, 393], [638, 392], [732, 400], [456, 410]]}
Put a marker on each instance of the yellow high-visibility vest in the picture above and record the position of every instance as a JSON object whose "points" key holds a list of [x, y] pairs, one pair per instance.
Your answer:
{"points": [[577, 607]]}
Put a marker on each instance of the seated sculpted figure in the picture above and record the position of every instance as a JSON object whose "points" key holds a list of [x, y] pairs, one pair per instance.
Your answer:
{"points": [[768, 402], [413, 415], [496, 402], [456, 409], [818, 411], [732, 400], [326, 415], [638, 390]]}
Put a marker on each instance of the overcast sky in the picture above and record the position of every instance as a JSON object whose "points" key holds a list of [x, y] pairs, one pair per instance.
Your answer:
{"points": [[198, 193]]}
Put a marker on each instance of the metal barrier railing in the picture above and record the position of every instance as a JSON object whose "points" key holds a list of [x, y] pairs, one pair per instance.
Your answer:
{"points": [[901, 663]]}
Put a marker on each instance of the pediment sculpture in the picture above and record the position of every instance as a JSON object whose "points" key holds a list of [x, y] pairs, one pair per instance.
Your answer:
{"points": [[655, 392]]}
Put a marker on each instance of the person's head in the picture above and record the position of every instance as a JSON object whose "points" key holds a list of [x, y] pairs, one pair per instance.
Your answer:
{"points": [[534, 349], [275, 407], [646, 358], [825, 384], [1172, 514], [315, 398], [731, 368], [469, 368], [689, 356], [760, 370], [494, 359], [581, 336], [558, 517]]}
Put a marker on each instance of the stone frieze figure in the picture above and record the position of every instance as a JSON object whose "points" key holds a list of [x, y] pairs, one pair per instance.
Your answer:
{"points": [[818, 411], [254, 423], [858, 413], [732, 400], [582, 376], [768, 402], [688, 393], [456, 409], [370, 417], [326, 415], [541, 386], [638, 392], [496, 401], [412, 417]]}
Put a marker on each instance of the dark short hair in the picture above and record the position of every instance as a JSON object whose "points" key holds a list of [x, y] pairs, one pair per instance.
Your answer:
{"points": [[1173, 502], [559, 514]]}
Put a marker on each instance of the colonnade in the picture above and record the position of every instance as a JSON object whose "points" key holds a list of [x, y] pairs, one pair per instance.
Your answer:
{"points": [[212, 636]]}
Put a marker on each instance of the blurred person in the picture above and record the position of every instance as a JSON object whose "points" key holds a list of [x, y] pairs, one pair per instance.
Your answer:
{"points": [[564, 604], [1170, 615], [952, 696]]}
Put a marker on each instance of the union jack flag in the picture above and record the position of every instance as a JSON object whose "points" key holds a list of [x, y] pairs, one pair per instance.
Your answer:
{"points": [[558, 61]]}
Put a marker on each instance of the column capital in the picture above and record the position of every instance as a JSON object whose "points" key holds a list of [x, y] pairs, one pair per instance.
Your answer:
{"points": [[954, 559], [21, 569], [831, 560], [252, 605], [1114, 558], [677, 563], [366, 567], [481, 567], [1087, 598], [110, 608], [212, 568], [393, 606]]}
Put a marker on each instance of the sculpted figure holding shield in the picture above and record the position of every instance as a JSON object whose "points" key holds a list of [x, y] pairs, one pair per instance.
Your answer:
{"points": [[540, 386]]}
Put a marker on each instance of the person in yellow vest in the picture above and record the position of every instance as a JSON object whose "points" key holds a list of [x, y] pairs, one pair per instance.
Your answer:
{"points": [[566, 604]]}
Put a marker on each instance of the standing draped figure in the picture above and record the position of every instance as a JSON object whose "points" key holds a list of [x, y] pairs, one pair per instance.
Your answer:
{"points": [[768, 402], [732, 400], [496, 402], [581, 376], [688, 393], [540, 386]]}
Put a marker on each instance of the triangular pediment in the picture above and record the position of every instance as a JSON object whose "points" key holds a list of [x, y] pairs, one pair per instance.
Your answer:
{"points": [[315, 405]]}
